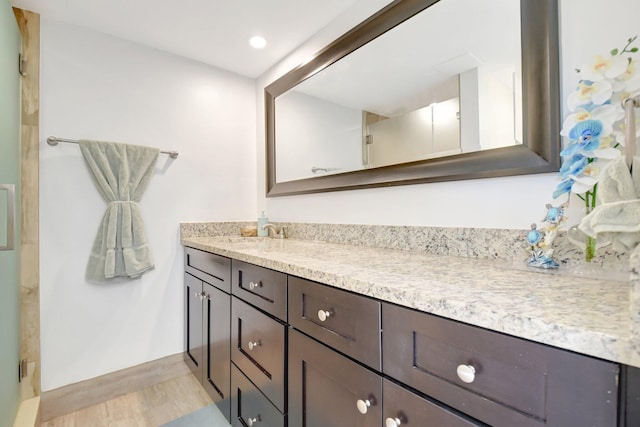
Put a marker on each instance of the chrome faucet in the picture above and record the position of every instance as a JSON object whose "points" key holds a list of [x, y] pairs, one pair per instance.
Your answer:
{"points": [[277, 231]]}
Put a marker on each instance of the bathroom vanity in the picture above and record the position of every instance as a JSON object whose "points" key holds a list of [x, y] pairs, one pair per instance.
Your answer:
{"points": [[311, 333]]}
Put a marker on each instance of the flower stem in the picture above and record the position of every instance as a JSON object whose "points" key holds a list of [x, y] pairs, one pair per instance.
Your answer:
{"points": [[630, 41], [589, 249], [590, 242]]}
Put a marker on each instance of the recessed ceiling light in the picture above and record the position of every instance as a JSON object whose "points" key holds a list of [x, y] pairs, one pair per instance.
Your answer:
{"points": [[257, 42]]}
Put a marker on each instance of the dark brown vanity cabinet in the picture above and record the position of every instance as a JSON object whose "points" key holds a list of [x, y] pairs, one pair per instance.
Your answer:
{"points": [[207, 311], [277, 350]]}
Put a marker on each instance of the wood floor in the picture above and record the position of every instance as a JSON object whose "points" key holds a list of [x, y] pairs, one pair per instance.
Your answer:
{"points": [[149, 407]]}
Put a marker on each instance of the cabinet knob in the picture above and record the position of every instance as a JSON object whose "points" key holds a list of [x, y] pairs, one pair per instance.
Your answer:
{"points": [[363, 405], [323, 315], [392, 422], [466, 373], [253, 285], [254, 344], [252, 421]]}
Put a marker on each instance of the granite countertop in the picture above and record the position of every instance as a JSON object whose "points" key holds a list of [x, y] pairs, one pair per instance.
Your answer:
{"points": [[582, 314]]}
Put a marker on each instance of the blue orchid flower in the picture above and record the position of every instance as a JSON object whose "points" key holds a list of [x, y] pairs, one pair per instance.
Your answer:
{"points": [[563, 187], [573, 166], [586, 137]]}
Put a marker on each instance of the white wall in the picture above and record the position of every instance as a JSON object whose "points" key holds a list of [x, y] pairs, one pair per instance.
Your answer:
{"points": [[512, 202], [98, 87], [316, 133]]}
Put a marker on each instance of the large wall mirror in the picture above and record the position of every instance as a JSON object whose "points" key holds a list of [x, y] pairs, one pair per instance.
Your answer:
{"points": [[422, 91]]}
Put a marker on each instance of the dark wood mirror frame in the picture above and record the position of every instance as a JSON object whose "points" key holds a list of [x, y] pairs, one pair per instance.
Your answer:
{"points": [[541, 109]]}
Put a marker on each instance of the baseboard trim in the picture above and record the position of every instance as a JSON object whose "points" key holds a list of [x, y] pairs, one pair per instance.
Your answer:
{"points": [[73, 397], [28, 413]]}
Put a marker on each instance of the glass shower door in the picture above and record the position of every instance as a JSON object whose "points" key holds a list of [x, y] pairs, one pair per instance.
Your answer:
{"points": [[9, 214]]}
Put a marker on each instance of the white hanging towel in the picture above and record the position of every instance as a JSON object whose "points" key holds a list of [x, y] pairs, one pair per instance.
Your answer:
{"points": [[121, 173], [616, 218]]}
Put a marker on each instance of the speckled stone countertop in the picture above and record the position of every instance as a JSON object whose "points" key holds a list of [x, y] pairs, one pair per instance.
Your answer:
{"points": [[578, 313]]}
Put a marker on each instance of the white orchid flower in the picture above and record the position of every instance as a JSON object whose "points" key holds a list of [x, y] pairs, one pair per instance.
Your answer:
{"points": [[608, 114], [604, 67], [629, 81], [597, 93], [582, 183], [608, 153]]}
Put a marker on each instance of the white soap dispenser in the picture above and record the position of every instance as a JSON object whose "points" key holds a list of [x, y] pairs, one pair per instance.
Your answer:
{"points": [[262, 221]]}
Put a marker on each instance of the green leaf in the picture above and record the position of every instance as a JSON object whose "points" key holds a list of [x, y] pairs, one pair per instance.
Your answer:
{"points": [[634, 49], [614, 52], [577, 70]]}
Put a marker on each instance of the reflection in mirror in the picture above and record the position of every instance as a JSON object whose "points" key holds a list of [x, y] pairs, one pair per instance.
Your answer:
{"points": [[402, 98], [433, 90]]}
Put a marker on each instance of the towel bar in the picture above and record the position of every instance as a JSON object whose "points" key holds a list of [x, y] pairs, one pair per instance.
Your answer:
{"points": [[53, 141]]}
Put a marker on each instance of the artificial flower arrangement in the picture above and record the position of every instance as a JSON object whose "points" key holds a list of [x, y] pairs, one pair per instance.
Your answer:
{"points": [[595, 129]]}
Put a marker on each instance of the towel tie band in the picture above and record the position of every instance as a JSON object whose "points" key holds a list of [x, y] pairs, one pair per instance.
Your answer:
{"points": [[119, 202]]}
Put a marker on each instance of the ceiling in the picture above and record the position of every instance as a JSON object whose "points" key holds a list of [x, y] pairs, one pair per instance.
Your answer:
{"points": [[215, 32]]}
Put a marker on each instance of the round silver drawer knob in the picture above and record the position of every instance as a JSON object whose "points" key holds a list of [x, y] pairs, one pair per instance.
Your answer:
{"points": [[254, 344], [466, 373], [363, 406], [252, 421], [323, 315], [253, 285], [392, 422]]}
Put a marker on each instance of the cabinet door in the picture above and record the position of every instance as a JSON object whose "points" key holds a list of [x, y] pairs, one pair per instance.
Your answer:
{"points": [[217, 347], [404, 408], [328, 390], [193, 324]]}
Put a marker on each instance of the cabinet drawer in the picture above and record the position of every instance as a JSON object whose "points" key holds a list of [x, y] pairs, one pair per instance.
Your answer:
{"points": [[211, 268], [404, 408], [503, 381], [258, 349], [347, 322], [249, 406], [326, 389], [261, 287]]}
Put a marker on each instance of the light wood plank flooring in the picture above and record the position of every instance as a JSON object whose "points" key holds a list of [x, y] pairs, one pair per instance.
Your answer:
{"points": [[149, 407]]}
